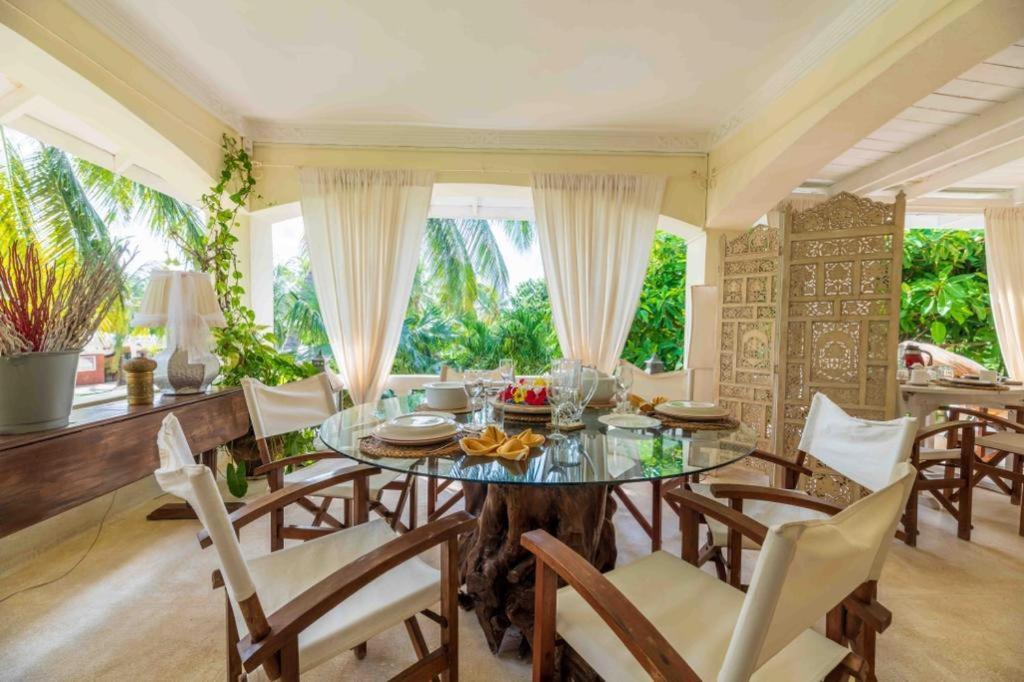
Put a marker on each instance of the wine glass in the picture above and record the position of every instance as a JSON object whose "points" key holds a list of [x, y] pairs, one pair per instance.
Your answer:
{"points": [[473, 384], [623, 382], [507, 370]]}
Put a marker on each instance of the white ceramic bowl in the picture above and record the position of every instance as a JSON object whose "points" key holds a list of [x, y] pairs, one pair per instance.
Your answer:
{"points": [[418, 426], [605, 390], [445, 395]]}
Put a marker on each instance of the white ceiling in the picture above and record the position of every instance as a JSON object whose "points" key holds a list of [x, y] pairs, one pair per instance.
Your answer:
{"points": [[962, 144], [673, 66]]}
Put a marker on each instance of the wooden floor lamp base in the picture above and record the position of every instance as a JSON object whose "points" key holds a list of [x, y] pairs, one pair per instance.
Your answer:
{"points": [[177, 511]]}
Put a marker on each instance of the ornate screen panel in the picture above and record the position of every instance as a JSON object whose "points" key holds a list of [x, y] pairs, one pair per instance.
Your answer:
{"points": [[750, 275], [839, 319]]}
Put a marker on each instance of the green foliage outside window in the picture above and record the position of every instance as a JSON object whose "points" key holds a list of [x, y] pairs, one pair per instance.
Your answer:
{"points": [[661, 315], [945, 297], [442, 327]]}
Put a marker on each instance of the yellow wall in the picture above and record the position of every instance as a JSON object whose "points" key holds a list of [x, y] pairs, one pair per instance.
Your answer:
{"points": [[684, 195]]}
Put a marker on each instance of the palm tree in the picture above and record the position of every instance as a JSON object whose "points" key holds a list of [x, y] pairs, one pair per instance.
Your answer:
{"points": [[462, 256], [65, 205]]}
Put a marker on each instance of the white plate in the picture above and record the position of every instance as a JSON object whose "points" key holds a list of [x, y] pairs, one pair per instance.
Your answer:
{"points": [[629, 421], [692, 410], [418, 427], [971, 382]]}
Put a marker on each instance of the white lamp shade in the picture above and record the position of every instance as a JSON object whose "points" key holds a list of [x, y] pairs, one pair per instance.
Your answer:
{"points": [[194, 291]]}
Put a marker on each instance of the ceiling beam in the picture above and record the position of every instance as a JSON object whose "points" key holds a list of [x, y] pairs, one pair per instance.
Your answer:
{"points": [[965, 169], [15, 103], [904, 55], [998, 125]]}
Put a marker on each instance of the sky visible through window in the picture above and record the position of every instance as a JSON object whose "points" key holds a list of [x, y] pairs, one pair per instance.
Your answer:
{"points": [[289, 234]]}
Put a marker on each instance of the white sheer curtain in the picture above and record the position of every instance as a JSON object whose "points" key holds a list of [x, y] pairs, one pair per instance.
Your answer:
{"points": [[1004, 252], [364, 229], [595, 234]]}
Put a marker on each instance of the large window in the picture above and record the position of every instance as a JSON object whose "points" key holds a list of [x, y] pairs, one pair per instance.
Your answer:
{"points": [[945, 293], [68, 206], [479, 296]]}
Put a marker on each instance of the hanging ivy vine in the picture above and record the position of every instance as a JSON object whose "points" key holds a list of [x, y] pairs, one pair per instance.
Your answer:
{"points": [[245, 348]]}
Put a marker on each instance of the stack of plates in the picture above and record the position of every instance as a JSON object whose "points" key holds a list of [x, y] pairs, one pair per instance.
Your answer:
{"points": [[694, 411], [420, 428], [970, 381]]}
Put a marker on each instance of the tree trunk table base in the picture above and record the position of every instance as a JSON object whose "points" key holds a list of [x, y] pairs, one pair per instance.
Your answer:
{"points": [[498, 573]]}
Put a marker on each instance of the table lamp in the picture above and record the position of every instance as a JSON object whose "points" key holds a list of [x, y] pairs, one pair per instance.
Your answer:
{"points": [[185, 305]]}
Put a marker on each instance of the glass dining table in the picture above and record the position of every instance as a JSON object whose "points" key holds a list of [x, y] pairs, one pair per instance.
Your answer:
{"points": [[564, 486]]}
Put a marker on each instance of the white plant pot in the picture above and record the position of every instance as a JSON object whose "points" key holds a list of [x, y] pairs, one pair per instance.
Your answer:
{"points": [[36, 391]]}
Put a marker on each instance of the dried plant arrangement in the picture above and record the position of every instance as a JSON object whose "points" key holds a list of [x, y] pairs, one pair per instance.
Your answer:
{"points": [[55, 306]]}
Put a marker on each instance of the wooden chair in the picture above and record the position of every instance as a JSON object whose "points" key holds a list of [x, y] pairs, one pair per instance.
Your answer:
{"points": [[862, 450], [953, 488], [674, 386], [303, 404], [291, 610], [666, 619], [997, 439]]}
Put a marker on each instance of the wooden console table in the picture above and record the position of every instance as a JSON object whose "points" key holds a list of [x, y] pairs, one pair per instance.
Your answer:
{"points": [[105, 447]]}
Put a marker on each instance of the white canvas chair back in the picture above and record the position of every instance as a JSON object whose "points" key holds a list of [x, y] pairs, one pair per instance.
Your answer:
{"points": [[805, 568], [862, 450], [180, 475], [290, 407], [671, 385]]}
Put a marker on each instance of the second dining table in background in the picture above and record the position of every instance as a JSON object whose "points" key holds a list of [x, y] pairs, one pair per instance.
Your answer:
{"points": [[563, 487]]}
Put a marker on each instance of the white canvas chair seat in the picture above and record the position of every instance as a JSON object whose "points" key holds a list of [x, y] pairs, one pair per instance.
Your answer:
{"points": [[695, 612], [1006, 441], [766, 513], [398, 594], [805, 570], [345, 490]]}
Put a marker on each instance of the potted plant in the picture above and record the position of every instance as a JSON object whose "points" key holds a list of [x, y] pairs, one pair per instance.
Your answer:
{"points": [[49, 309]]}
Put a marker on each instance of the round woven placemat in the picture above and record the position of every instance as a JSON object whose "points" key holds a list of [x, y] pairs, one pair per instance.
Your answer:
{"points": [[423, 407], [541, 418], [375, 447], [670, 423], [600, 406]]}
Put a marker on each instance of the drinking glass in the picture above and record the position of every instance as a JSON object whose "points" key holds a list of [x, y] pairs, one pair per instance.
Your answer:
{"points": [[623, 382], [563, 387], [582, 395], [492, 388], [473, 383], [507, 370]]}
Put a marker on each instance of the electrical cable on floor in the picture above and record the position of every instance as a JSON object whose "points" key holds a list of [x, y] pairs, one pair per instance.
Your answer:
{"points": [[76, 564]]}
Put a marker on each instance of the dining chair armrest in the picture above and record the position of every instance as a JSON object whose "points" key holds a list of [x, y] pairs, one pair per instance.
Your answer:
{"points": [[714, 509], [943, 427], [306, 608], [794, 498], [781, 461], [985, 417], [872, 613], [648, 646], [299, 459], [282, 497]]}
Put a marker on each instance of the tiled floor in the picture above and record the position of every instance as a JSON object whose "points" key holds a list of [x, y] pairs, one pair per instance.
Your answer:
{"points": [[140, 606]]}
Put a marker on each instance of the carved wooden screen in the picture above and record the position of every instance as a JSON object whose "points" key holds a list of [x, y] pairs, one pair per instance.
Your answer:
{"points": [[839, 319], [750, 266]]}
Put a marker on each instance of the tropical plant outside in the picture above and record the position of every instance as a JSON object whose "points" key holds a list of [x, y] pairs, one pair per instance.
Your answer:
{"points": [[461, 312], [945, 298]]}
